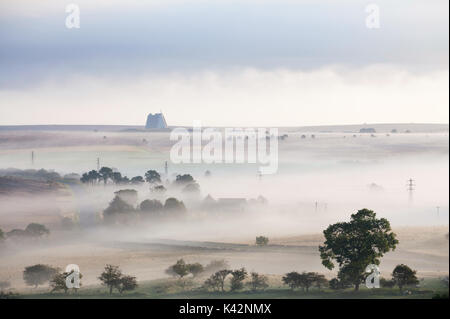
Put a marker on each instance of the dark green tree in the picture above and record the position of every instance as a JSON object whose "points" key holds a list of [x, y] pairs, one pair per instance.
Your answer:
{"points": [[105, 174], [238, 276], [404, 276], [111, 277], [174, 205], [356, 244], [150, 207], [117, 208], [180, 269], [36, 230], [292, 279], [184, 179], [38, 274], [152, 177]]}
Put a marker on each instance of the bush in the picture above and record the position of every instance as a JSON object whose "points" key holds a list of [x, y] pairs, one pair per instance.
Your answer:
{"points": [[387, 283], [38, 274]]}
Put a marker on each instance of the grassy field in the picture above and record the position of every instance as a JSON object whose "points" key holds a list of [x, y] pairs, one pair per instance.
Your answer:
{"points": [[164, 289]]}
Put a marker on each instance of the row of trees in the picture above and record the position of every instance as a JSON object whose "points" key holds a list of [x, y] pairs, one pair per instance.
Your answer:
{"points": [[112, 277], [219, 275], [304, 280], [106, 174], [32, 231], [123, 208]]}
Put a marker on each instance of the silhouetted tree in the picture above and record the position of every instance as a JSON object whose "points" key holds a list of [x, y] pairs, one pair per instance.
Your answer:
{"points": [[117, 208], [258, 281], [151, 207], [404, 276], [137, 180], [111, 277], [38, 274], [36, 230], [184, 179], [356, 244], [105, 174], [238, 276], [174, 205], [152, 177]]}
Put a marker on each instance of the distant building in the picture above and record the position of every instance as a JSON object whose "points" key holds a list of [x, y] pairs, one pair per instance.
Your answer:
{"points": [[367, 130], [156, 121]]}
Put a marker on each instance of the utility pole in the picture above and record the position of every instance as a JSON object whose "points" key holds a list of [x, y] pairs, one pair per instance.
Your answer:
{"points": [[410, 187], [316, 206], [166, 169], [32, 157], [98, 163]]}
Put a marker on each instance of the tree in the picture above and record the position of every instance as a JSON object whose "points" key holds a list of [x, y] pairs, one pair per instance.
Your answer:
{"points": [[137, 180], [127, 283], [307, 279], [158, 189], [404, 276], [152, 177], [174, 205], [356, 244], [238, 276], [38, 274], [105, 173], [151, 207], [91, 177], [116, 208], [184, 179], [292, 279], [217, 280], [58, 282], [2, 235], [180, 269], [212, 282], [195, 269], [262, 241], [111, 277], [36, 230], [258, 281]]}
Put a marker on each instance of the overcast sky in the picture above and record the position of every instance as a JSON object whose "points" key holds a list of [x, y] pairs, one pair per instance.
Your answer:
{"points": [[235, 63]]}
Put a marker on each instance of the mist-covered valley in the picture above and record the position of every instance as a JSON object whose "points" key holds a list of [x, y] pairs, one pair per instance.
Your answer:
{"points": [[322, 178]]}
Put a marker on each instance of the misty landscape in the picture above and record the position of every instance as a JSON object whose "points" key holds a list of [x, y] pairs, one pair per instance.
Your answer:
{"points": [[190, 149], [206, 213]]}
